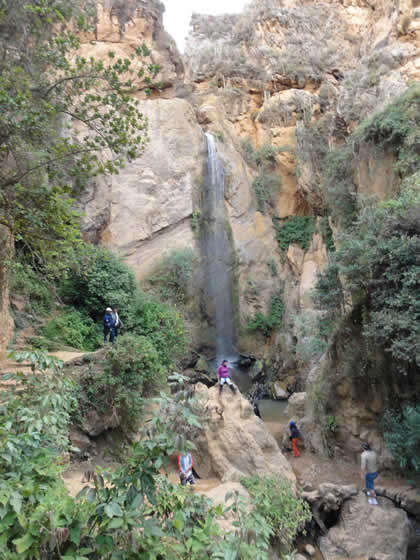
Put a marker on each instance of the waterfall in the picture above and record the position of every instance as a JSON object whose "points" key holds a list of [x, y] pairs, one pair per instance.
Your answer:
{"points": [[217, 256]]}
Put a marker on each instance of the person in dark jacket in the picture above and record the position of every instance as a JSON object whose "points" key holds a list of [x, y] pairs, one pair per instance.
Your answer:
{"points": [[109, 325], [294, 436]]}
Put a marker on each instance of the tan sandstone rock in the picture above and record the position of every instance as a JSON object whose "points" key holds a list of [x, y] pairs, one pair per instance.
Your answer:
{"points": [[233, 442], [365, 531]]}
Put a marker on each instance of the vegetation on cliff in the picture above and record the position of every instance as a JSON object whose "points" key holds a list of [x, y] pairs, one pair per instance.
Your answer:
{"points": [[64, 118]]}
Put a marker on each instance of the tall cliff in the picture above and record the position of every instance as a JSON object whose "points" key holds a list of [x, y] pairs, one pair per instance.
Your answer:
{"points": [[293, 77]]}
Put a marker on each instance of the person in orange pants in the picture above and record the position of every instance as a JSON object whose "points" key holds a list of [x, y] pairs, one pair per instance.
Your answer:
{"points": [[294, 436]]}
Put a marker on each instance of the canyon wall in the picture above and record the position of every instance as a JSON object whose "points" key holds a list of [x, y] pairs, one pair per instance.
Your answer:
{"points": [[277, 86]]}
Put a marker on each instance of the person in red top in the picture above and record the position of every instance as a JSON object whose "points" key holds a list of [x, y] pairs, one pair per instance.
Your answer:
{"points": [[223, 375], [185, 467]]}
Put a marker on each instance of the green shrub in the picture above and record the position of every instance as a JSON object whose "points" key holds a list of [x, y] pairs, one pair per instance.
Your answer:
{"points": [[174, 274], [379, 262], [338, 185], [298, 229], [265, 324], [75, 329], [402, 437], [103, 280], [133, 371], [395, 128], [38, 295], [161, 324], [266, 186], [272, 498]]}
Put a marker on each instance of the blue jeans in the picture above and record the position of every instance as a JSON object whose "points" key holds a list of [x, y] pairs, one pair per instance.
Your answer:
{"points": [[111, 332], [369, 480]]}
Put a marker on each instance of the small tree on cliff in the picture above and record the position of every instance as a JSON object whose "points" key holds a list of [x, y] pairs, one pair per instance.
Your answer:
{"points": [[64, 118]]}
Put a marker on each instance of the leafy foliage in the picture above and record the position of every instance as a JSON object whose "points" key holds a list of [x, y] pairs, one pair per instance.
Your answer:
{"points": [[103, 280], [273, 499], [297, 229], [131, 512], [64, 119], [265, 324], [174, 275], [75, 329], [132, 371], [338, 186], [379, 262], [402, 437], [24, 280]]}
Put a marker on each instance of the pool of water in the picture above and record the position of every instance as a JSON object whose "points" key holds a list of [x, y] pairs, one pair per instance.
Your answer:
{"points": [[274, 415]]}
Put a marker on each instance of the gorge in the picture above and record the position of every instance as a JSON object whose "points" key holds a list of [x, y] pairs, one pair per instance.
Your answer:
{"points": [[271, 214]]}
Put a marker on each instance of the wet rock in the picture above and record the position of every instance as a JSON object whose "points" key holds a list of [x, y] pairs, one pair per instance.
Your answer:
{"points": [[366, 531], [233, 442], [279, 391], [256, 369], [406, 498]]}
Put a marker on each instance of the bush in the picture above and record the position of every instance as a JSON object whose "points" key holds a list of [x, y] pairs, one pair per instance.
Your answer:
{"points": [[132, 372], [75, 329], [104, 280], [38, 295], [161, 324], [338, 185], [298, 229], [379, 260], [266, 186], [174, 275], [273, 499], [265, 324], [402, 437]]}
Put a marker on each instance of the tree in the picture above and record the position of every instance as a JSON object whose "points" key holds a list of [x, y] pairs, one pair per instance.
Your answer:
{"points": [[64, 118]]}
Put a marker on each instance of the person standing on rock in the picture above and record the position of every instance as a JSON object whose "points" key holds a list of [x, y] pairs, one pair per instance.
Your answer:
{"points": [[109, 325], [118, 324], [369, 470], [223, 375], [185, 467], [294, 436]]}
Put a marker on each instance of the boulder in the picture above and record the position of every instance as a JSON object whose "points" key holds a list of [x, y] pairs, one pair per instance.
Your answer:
{"points": [[233, 442], [365, 531], [296, 406], [279, 391]]}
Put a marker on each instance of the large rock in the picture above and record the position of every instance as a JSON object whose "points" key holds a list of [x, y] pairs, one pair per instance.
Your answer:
{"points": [[366, 531], [147, 209], [296, 406], [233, 442]]}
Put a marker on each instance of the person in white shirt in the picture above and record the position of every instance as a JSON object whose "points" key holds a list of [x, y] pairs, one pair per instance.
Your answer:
{"points": [[117, 321], [369, 468]]}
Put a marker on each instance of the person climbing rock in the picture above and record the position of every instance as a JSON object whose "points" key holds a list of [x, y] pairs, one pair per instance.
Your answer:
{"points": [[118, 324], [185, 467], [369, 470], [223, 375], [257, 409], [294, 436], [109, 325]]}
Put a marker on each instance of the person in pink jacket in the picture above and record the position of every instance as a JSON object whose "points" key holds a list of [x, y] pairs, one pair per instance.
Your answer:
{"points": [[223, 375]]}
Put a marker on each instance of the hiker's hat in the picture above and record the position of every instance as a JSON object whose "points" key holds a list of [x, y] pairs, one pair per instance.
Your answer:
{"points": [[108, 309]]}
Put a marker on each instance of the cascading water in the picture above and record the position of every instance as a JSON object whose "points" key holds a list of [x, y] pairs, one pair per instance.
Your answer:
{"points": [[217, 256]]}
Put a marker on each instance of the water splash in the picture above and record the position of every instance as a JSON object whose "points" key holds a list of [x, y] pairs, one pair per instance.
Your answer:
{"points": [[217, 256]]}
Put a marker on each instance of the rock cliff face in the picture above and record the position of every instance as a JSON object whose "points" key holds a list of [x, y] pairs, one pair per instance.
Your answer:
{"points": [[277, 86]]}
